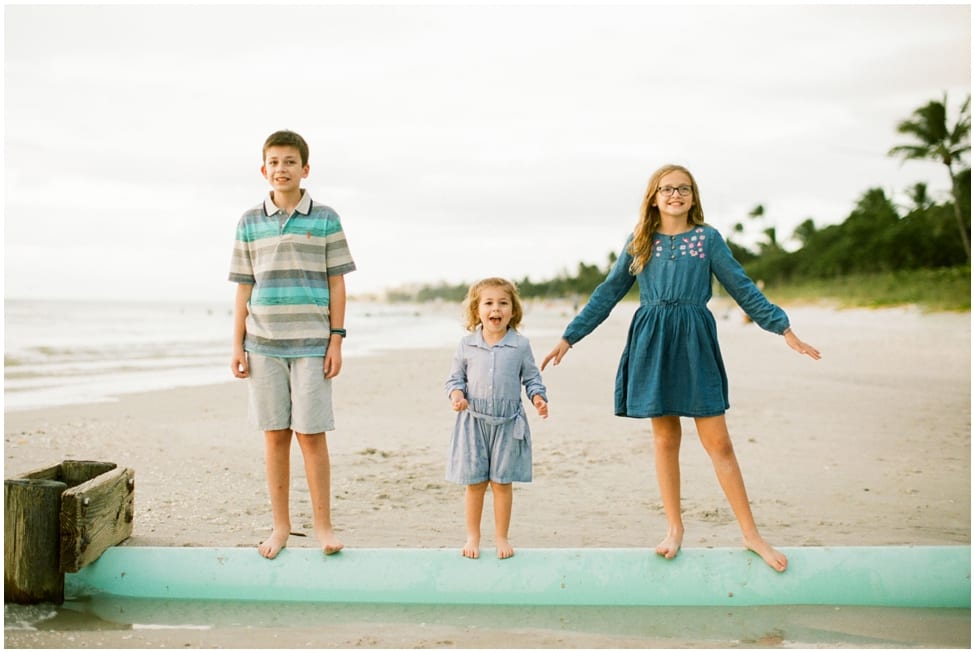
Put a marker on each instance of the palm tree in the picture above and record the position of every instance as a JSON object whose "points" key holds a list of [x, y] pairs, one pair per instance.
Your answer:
{"points": [[805, 231], [936, 140], [758, 214], [919, 196]]}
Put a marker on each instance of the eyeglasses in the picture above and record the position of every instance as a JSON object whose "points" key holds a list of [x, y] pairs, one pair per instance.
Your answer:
{"points": [[668, 191]]}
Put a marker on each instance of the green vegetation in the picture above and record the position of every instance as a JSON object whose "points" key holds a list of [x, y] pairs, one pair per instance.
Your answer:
{"points": [[948, 144], [945, 289], [881, 255]]}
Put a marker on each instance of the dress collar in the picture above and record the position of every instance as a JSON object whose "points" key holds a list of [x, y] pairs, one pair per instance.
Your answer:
{"points": [[477, 339]]}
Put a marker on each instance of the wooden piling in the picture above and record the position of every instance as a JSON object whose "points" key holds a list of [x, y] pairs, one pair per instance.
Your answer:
{"points": [[59, 519], [95, 515], [31, 544]]}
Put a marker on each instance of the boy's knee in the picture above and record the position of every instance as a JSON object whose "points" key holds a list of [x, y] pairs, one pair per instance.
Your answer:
{"points": [[278, 437], [309, 436]]}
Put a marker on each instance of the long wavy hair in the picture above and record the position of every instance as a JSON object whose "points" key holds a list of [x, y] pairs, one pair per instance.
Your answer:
{"points": [[472, 317], [642, 244]]}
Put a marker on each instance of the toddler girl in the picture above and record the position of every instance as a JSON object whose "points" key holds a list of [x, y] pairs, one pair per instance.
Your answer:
{"points": [[491, 442]]}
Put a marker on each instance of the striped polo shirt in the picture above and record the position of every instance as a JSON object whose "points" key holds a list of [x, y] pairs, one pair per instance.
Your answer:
{"points": [[288, 260]]}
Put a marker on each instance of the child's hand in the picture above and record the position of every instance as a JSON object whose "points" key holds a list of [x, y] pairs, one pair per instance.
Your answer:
{"points": [[458, 401], [560, 350], [541, 406], [333, 362], [238, 364], [802, 347]]}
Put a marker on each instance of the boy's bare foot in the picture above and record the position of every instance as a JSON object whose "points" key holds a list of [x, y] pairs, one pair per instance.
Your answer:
{"points": [[505, 550], [772, 556], [471, 548], [330, 543], [270, 547], [670, 545]]}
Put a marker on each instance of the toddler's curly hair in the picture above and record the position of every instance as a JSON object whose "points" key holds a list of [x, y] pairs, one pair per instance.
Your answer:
{"points": [[471, 317]]}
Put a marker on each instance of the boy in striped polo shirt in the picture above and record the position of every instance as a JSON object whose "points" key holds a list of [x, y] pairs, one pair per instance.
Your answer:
{"points": [[290, 255]]}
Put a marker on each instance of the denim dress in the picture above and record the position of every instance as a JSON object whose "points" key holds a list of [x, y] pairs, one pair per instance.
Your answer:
{"points": [[672, 364], [491, 439]]}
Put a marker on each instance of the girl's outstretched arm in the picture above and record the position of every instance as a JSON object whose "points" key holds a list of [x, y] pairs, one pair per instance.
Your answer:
{"points": [[803, 348], [560, 350]]}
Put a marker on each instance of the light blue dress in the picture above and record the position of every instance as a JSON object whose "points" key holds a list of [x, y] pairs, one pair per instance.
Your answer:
{"points": [[672, 364], [491, 440]]}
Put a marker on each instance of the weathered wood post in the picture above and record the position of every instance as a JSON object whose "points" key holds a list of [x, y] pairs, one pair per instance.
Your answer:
{"points": [[58, 519], [95, 515], [31, 541]]}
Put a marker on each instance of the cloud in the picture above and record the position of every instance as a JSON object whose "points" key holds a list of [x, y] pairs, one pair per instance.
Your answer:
{"points": [[530, 129]]}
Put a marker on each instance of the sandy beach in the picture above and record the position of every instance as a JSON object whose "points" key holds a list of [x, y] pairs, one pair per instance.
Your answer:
{"points": [[869, 446]]}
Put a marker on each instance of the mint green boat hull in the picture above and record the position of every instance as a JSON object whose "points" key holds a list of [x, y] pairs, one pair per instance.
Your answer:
{"points": [[905, 576]]}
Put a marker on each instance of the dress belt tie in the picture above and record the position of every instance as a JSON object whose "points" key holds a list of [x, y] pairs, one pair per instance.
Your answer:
{"points": [[521, 422], [672, 302]]}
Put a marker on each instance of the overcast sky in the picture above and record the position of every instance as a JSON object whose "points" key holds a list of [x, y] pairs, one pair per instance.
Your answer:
{"points": [[454, 142]]}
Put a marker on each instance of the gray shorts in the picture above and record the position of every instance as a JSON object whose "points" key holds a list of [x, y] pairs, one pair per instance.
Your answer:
{"points": [[290, 393]]}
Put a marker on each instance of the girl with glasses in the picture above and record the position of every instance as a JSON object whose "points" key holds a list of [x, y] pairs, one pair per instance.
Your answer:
{"points": [[671, 365]]}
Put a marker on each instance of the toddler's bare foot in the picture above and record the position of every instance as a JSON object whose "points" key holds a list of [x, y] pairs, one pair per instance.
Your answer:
{"points": [[772, 556], [670, 545], [505, 550], [327, 538], [270, 547], [471, 548]]}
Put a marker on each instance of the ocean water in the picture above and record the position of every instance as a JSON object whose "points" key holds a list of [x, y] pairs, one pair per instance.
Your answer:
{"points": [[114, 622], [69, 352]]}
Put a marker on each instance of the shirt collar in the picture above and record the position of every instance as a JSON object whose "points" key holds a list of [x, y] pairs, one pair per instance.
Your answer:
{"points": [[304, 204], [477, 339]]}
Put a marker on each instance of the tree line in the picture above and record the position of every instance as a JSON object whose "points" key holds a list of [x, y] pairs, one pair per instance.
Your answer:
{"points": [[878, 235]]}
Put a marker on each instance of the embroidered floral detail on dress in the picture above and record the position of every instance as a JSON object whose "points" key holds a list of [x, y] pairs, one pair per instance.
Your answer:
{"points": [[695, 244]]}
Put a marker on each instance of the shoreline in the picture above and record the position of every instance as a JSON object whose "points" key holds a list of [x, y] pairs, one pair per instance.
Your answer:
{"points": [[880, 426], [869, 446]]}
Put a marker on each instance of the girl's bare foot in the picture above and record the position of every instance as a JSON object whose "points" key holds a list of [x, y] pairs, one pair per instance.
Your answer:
{"points": [[471, 548], [270, 547], [772, 556], [330, 543], [505, 550], [670, 545]]}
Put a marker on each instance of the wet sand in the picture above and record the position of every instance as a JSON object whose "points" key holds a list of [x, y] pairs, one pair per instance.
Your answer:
{"points": [[240, 625], [869, 446]]}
